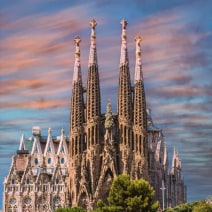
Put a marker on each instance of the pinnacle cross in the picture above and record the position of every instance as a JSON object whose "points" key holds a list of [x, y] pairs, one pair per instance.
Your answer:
{"points": [[138, 38], [93, 23], [77, 40], [124, 23]]}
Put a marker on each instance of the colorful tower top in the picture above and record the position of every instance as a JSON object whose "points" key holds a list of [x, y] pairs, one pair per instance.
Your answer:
{"points": [[138, 66], [124, 54], [93, 54], [77, 67]]}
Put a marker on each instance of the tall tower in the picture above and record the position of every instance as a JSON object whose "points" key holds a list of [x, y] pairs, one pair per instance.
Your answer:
{"points": [[124, 106], [77, 141], [139, 119], [93, 113]]}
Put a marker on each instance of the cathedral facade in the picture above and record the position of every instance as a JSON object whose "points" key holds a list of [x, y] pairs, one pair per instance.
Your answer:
{"points": [[52, 172]]}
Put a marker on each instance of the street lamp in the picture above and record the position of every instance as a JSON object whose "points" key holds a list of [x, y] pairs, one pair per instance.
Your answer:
{"points": [[163, 190]]}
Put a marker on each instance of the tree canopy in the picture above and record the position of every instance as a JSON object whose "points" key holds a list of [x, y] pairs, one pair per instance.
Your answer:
{"points": [[130, 195], [74, 209], [195, 206]]}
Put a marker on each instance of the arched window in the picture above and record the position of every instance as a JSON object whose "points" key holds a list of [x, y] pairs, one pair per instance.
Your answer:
{"points": [[62, 160], [49, 149], [49, 161], [36, 161], [62, 149]]}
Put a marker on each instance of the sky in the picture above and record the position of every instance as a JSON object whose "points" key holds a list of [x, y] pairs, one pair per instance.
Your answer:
{"points": [[37, 59]]}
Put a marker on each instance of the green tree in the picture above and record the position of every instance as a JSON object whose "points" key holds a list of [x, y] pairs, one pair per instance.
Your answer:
{"points": [[74, 209], [132, 195], [203, 206], [196, 206]]}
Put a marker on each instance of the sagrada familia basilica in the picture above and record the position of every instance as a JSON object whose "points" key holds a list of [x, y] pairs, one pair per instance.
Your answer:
{"points": [[76, 170]]}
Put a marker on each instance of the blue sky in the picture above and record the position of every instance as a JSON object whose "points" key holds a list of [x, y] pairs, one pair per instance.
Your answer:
{"points": [[36, 69]]}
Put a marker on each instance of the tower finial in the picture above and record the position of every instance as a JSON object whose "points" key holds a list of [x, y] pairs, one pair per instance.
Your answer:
{"points": [[77, 40], [124, 55], [138, 67], [77, 70], [49, 131], [93, 54], [124, 23], [93, 23]]}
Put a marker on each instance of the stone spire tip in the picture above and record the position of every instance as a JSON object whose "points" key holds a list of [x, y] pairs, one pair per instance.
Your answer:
{"points": [[49, 131], [93, 23], [124, 23], [77, 40], [138, 38]]}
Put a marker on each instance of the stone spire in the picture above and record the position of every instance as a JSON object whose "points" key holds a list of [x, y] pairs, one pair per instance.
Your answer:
{"points": [[124, 106], [174, 158], [138, 68], [140, 141], [77, 67], [176, 163], [77, 105], [124, 53], [140, 116], [124, 92], [93, 88], [93, 54]]}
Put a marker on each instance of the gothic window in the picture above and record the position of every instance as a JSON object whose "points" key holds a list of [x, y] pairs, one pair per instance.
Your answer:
{"points": [[57, 181], [36, 161], [62, 160], [12, 205], [49, 149], [62, 149], [49, 161], [57, 202], [27, 181], [27, 200], [13, 181], [36, 149], [12, 201]]}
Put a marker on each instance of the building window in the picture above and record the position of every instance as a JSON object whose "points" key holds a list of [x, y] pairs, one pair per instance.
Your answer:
{"points": [[36, 161], [49, 149], [49, 160], [62, 149], [36, 149], [27, 181], [57, 181], [62, 160]]}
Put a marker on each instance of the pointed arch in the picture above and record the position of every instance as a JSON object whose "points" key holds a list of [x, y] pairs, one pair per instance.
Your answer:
{"points": [[83, 198]]}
